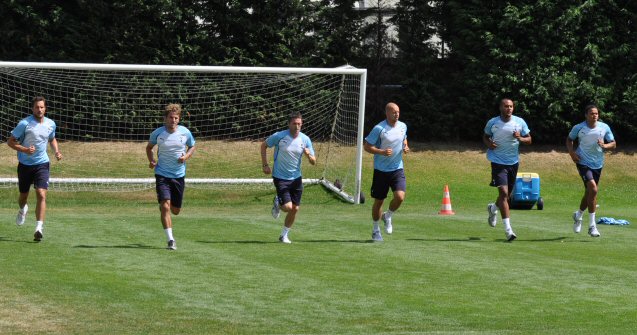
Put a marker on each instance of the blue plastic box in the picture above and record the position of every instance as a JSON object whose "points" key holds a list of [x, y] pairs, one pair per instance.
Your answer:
{"points": [[526, 192]]}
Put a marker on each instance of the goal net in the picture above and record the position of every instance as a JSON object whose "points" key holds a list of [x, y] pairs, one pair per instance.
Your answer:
{"points": [[105, 114]]}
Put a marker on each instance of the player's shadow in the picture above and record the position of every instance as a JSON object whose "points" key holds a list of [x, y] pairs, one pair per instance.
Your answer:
{"points": [[126, 246], [564, 239], [336, 241], [4, 239], [554, 239], [238, 242], [480, 239], [296, 240], [468, 239]]}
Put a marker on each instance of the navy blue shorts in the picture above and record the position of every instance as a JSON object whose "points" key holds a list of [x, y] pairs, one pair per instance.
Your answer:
{"points": [[503, 175], [36, 175], [589, 174], [289, 190], [382, 181], [170, 189]]}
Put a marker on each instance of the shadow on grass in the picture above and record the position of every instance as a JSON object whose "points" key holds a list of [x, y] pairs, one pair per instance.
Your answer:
{"points": [[468, 239], [4, 239], [239, 242], [480, 239], [337, 241], [128, 246], [299, 241], [555, 239]]}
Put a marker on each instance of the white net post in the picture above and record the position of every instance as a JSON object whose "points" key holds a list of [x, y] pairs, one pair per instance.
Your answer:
{"points": [[105, 113]]}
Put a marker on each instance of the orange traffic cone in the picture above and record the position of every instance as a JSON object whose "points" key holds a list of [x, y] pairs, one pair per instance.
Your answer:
{"points": [[446, 203]]}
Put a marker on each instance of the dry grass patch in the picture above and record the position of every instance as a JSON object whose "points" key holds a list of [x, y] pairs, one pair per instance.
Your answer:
{"points": [[18, 315]]}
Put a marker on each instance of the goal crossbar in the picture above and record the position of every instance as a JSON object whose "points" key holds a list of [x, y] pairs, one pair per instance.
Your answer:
{"points": [[346, 69]]}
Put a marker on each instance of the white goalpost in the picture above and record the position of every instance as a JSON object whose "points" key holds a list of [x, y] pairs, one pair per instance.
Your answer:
{"points": [[106, 112]]}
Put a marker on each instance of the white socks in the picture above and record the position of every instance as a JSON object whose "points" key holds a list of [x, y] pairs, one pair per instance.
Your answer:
{"points": [[38, 225], [507, 224], [169, 234], [285, 231], [591, 217], [388, 215]]}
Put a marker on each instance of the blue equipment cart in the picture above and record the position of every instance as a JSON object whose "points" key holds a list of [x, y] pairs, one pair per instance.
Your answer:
{"points": [[526, 192]]}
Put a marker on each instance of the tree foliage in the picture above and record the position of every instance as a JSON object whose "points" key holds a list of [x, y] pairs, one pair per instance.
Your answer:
{"points": [[422, 70], [551, 56], [335, 32]]}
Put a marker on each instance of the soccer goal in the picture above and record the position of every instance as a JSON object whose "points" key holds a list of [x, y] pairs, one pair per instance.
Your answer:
{"points": [[106, 112]]}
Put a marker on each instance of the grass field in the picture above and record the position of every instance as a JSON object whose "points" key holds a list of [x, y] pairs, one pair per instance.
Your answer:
{"points": [[102, 267]]}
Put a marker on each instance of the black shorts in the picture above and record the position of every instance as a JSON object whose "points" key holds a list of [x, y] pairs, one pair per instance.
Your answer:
{"points": [[382, 181], [589, 174], [36, 175], [503, 175], [170, 189], [289, 190]]}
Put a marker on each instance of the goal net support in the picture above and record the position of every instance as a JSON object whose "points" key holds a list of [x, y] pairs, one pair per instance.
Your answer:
{"points": [[106, 112]]}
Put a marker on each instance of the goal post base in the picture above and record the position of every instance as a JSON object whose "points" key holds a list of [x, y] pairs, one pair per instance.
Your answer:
{"points": [[344, 195]]}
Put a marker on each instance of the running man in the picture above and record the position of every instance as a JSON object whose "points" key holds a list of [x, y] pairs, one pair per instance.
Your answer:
{"points": [[502, 136], [175, 145], [387, 142], [289, 147], [593, 137], [29, 139]]}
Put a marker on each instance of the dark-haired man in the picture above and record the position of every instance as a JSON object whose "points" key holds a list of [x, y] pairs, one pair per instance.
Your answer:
{"points": [[29, 139], [290, 146], [593, 137], [502, 136]]}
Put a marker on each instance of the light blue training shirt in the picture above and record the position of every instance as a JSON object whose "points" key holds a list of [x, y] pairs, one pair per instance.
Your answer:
{"points": [[288, 153], [589, 152], [507, 151], [171, 146], [30, 132], [384, 136]]}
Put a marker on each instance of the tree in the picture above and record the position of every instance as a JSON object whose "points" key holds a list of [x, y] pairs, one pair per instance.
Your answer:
{"points": [[379, 51], [335, 31], [552, 57], [124, 31], [422, 69], [252, 32]]}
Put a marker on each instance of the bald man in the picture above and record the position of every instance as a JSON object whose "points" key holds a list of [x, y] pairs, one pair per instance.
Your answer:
{"points": [[387, 142]]}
